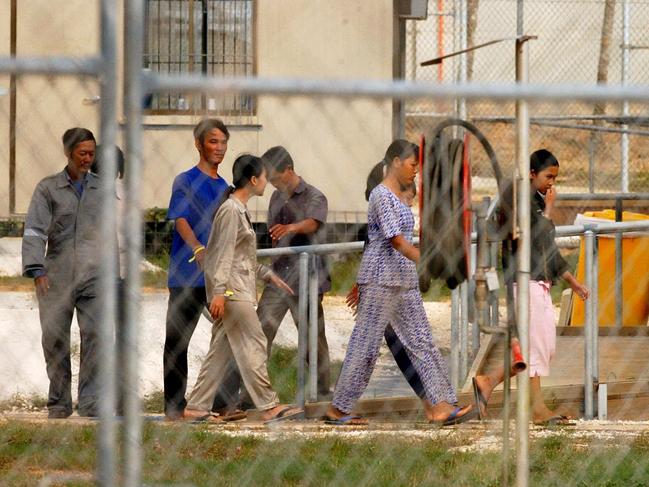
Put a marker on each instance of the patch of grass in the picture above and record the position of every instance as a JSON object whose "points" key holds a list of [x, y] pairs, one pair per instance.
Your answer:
{"points": [[161, 260], [200, 456], [282, 369], [23, 402], [154, 402], [343, 273], [154, 279]]}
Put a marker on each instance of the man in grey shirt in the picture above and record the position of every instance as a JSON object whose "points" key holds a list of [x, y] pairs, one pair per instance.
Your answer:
{"points": [[297, 215], [61, 251]]}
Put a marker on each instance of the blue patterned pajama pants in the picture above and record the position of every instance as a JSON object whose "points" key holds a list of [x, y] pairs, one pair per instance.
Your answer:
{"points": [[404, 310]]}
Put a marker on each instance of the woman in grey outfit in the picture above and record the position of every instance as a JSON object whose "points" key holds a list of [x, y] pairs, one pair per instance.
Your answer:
{"points": [[230, 273]]}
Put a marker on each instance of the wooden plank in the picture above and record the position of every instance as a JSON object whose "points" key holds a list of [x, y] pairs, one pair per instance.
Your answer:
{"points": [[626, 400], [480, 359]]}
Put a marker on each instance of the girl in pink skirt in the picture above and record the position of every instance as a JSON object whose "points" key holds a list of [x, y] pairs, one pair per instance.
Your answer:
{"points": [[546, 266]]}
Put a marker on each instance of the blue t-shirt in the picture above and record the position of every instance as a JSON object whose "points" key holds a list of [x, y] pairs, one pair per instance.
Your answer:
{"points": [[195, 196]]}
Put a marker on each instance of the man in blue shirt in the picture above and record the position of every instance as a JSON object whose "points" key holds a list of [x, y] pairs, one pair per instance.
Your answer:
{"points": [[196, 195]]}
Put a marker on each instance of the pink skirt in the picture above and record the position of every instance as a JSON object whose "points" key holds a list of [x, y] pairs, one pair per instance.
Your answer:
{"points": [[543, 333]]}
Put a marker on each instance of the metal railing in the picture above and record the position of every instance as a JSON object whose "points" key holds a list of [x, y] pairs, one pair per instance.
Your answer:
{"points": [[461, 355]]}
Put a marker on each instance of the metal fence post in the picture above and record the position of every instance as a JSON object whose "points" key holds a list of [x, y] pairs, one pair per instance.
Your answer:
{"points": [[523, 265], [590, 325], [303, 336], [107, 286], [455, 338], [133, 99], [313, 329], [464, 331], [619, 297]]}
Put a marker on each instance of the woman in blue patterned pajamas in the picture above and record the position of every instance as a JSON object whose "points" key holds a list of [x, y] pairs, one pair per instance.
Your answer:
{"points": [[389, 293]]}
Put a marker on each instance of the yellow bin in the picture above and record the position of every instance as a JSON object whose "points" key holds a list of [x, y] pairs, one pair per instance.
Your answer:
{"points": [[635, 276]]}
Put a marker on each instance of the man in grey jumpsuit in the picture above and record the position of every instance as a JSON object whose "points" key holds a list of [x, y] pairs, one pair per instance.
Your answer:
{"points": [[61, 251]]}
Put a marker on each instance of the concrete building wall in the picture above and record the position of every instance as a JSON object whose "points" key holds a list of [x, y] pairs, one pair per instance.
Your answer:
{"points": [[334, 142]]}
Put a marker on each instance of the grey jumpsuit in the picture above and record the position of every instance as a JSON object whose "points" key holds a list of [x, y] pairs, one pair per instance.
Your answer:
{"points": [[61, 239]]}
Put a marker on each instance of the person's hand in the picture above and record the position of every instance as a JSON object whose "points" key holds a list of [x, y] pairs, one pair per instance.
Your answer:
{"points": [[200, 259], [582, 291], [278, 231], [352, 299], [42, 284], [550, 198], [277, 281], [217, 307]]}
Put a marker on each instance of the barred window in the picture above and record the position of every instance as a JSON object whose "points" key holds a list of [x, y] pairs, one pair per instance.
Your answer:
{"points": [[214, 37]]}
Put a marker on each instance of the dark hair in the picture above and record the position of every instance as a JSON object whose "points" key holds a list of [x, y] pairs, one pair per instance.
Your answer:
{"points": [[97, 166], [278, 159], [542, 159], [245, 167], [402, 149], [374, 178], [207, 125], [75, 136]]}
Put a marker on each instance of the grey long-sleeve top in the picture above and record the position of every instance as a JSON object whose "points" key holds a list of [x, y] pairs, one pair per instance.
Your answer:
{"points": [[61, 235], [231, 259]]}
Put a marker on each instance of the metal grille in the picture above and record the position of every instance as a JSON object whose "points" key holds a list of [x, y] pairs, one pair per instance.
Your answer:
{"points": [[213, 37]]}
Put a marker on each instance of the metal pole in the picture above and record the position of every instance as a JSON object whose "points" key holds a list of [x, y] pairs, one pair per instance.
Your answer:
{"points": [[13, 105], [506, 406], [493, 295], [591, 164], [624, 142], [595, 304], [462, 21], [590, 327], [619, 301], [455, 338], [464, 330], [133, 100], [475, 327], [523, 267], [303, 308], [108, 278], [313, 330]]}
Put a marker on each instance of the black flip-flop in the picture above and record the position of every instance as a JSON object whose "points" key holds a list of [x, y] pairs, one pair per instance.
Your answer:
{"points": [[348, 420], [285, 415], [453, 418], [480, 400]]}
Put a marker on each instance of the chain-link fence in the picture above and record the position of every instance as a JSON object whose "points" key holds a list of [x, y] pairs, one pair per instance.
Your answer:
{"points": [[282, 74], [577, 42]]}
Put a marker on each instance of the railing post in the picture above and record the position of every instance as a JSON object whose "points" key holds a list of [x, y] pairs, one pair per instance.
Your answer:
{"points": [[464, 330], [590, 327], [455, 338], [313, 329], [302, 329], [619, 297]]}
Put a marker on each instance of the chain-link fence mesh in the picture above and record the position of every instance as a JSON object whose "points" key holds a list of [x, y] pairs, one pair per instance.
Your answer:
{"points": [[577, 42], [335, 142]]}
